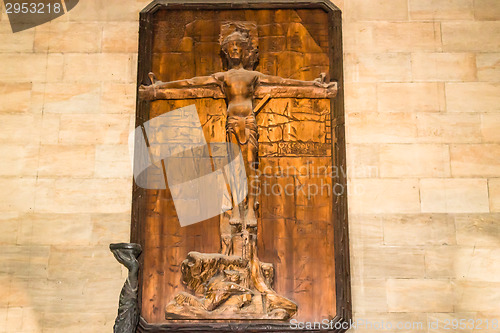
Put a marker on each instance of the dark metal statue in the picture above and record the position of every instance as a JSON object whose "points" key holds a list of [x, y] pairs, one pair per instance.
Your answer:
{"points": [[128, 310]]}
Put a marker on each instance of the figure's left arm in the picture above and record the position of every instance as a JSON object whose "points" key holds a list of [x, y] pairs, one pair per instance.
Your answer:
{"points": [[277, 86]]}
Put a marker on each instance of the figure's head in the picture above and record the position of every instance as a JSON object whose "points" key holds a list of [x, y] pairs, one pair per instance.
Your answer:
{"points": [[238, 47]]}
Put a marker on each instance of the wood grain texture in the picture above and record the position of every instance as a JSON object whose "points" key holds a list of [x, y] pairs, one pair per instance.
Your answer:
{"points": [[301, 236]]}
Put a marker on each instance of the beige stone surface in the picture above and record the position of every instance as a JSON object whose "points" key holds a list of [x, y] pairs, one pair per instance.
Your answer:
{"points": [[445, 127], [374, 37], [17, 194], [490, 123], [473, 97], [120, 37], [486, 10], [60, 36], [360, 96], [419, 229], [454, 195], [373, 128], [67, 195], [365, 230], [93, 262], [389, 262], [494, 191], [383, 196], [118, 98], [381, 67], [419, 295], [475, 160], [66, 160], [414, 160], [410, 97], [30, 67], [444, 322], [15, 97], [480, 36], [488, 66], [115, 67], [369, 10], [18, 42], [441, 9], [66, 98], [440, 261], [477, 296], [54, 229], [478, 229], [369, 294], [18, 160], [444, 66], [113, 161], [83, 129], [363, 161]]}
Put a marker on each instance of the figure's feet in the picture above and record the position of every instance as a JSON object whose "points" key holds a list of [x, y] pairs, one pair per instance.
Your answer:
{"points": [[235, 220], [250, 219]]}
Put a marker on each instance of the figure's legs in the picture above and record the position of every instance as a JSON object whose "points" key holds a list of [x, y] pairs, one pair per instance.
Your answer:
{"points": [[252, 181], [234, 185]]}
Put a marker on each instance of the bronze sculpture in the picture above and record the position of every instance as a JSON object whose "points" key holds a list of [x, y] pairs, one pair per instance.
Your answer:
{"points": [[228, 285], [128, 310]]}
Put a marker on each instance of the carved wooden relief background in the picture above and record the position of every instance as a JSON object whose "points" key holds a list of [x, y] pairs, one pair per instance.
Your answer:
{"points": [[295, 229]]}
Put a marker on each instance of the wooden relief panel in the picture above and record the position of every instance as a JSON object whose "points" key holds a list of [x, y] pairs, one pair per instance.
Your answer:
{"points": [[301, 217]]}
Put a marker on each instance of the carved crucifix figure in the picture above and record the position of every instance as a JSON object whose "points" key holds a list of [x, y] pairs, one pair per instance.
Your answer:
{"points": [[241, 86]]}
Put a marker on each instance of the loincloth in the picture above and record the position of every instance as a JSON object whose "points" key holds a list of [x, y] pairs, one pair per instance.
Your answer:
{"points": [[244, 129]]}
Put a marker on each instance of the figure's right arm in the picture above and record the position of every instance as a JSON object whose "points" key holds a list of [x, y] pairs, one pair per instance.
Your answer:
{"points": [[196, 87]]}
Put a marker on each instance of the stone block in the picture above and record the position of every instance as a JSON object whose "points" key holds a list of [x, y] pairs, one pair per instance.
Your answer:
{"points": [[441, 10], [478, 229], [463, 36], [488, 66], [15, 97], [419, 229], [494, 194], [61, 36], [65, 195], [66, 160], [486, 10], [454, 195], [410, 97], [370, 10], [444, 67], [116, 67], [449, 127], [414, 160], [360, 97], [54, 229], [389, 262], [383, 196], [18, 160], [473, 97], [379, 37], [475, 160], [477, 296], [120, 37], [377, 67], [419, 295], [373, 128], [96, 129]]}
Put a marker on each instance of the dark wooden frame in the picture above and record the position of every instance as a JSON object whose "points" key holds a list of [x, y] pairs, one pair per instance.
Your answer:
{"points": [[341, 234]]}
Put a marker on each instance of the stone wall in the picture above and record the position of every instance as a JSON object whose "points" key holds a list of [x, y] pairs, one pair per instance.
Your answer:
{"points": [[423, 124]]}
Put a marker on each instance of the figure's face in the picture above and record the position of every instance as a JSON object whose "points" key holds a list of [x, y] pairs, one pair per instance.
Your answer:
{"points": [[235, 49]]}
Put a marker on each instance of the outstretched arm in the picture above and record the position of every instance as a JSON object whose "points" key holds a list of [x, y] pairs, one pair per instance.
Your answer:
{"points": [[196, 87], [277, 86]]}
